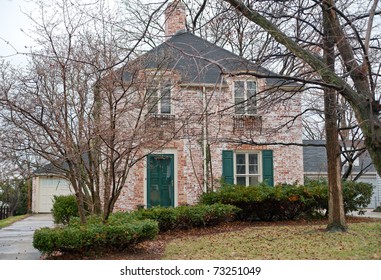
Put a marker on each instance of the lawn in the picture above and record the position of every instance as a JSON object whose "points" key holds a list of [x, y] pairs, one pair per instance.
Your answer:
{"points": [[8, 221], [288, 242]]}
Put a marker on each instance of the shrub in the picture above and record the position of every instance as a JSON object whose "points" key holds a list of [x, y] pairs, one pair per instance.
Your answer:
{"points": [[64, 208], [95, 236], [287, 202], [185, 217], [166, 217], [261, 202], [357, 195], [204, 215]]}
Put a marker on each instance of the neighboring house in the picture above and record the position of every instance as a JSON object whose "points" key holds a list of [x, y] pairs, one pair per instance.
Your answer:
{"points": [[226, 115], [315, 166], [48, 181]]}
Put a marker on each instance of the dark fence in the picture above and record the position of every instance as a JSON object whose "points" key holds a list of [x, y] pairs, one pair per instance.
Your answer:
{"points": [[4, 212]]}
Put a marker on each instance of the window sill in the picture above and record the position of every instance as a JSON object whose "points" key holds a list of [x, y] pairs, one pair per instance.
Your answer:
{"points": [[160, 116], [246, 116]]}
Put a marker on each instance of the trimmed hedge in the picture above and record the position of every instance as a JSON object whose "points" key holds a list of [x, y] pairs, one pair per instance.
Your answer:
{"points": [[95, 235], [287, 202], [186, 217], [123, 230], [64, 208]]}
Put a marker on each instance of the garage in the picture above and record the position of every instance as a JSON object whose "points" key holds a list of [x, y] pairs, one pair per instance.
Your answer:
{"points": [[44, 190]]}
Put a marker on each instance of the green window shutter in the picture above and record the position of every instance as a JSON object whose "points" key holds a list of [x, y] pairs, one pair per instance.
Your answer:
{"points": [[268, 167], [228, 166]]}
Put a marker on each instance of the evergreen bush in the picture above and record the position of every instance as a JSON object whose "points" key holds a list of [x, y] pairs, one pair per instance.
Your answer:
{"points": [[185, 217], [287, 201], [94, 236], [64, 208]]}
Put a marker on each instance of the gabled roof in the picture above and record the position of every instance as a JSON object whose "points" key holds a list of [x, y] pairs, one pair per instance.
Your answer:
{"points": [[51, 169], [201, 62]]}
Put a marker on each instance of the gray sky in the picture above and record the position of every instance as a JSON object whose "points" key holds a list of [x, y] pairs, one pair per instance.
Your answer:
{"points": [[11, 21]]}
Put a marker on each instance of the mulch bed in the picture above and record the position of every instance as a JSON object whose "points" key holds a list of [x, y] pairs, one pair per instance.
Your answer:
{"points": [[154, 249]]}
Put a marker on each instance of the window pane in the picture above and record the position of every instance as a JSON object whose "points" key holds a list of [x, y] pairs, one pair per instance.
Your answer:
{"points": [[251, 109], [239, 97], [152, 100], [240, 163], [253, 180], [166, 100], [240, 159], [240, 169], [253, 164], [252, 105], [253, 169], [239, 89], [253, 158], [239, 107], [241, 181], [251, 86], [251, 98]]}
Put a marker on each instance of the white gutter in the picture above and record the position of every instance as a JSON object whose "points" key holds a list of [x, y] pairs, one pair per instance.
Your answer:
{"points": [[204, 137]]}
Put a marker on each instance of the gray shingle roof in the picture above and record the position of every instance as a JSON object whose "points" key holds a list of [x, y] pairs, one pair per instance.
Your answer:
{"points": [[315, 158], [201, 62]]}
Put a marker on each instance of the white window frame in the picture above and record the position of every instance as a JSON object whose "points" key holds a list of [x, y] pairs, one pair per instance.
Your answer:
{"points": [[159, 89], [247, 174], [245, 99]]}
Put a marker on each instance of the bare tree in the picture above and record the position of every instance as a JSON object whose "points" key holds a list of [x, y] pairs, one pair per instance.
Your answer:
{"points": [[74, 105], [356, 56], [362, 95]]}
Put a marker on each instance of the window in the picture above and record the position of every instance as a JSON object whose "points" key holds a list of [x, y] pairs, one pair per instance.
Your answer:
{"points": [[245, 97], [159, 99], [247, 167]]}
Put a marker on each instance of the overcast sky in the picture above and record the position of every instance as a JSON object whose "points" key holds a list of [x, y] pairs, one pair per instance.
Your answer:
{"points": [[12, 20]]}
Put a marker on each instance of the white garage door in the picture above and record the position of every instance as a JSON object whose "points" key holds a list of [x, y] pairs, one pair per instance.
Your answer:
{"points": [[48, 188]]}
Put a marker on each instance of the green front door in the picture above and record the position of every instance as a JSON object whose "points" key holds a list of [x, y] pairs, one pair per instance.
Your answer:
{"points": [[160, 180]]}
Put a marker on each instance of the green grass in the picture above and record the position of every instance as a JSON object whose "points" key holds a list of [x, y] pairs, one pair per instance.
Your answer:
{"points": [[362, 241], [8, 221]]}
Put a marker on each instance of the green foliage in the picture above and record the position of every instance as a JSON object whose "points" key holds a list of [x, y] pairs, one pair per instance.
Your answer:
{"points": [[185, 217], [64, 208], [14, 193], [287, 202], [124, 230], [204, 215], [166, 217], [357, 195], [22, 206], [95, 235]]}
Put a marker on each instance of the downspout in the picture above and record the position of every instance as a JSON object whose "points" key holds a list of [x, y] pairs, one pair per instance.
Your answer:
{"points": [[204, 138]]}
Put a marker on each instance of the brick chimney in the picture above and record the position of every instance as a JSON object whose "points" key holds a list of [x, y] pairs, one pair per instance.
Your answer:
{"points": [[175, 18]]}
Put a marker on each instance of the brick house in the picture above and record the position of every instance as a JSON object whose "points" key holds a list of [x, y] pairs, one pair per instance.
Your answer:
{"points": [[218, 107], [214, 115]]}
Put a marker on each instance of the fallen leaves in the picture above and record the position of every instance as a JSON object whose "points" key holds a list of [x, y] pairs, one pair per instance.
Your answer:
{"points": [[257, 240]]}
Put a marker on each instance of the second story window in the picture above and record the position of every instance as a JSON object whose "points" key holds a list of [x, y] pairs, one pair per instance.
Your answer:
{"points": [[245, 97], [159, 99]]}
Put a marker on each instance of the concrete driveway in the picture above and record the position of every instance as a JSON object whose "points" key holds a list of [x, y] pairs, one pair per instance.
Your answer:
{"points": [[16, 240]]}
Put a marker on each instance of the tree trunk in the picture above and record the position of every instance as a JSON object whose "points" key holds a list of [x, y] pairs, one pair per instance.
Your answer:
{"points": [[80, 200], [361, 100], [336, 215]]}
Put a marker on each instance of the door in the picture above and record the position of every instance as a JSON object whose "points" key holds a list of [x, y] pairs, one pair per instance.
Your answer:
{"points": [[49, 187], [160, 180]]}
